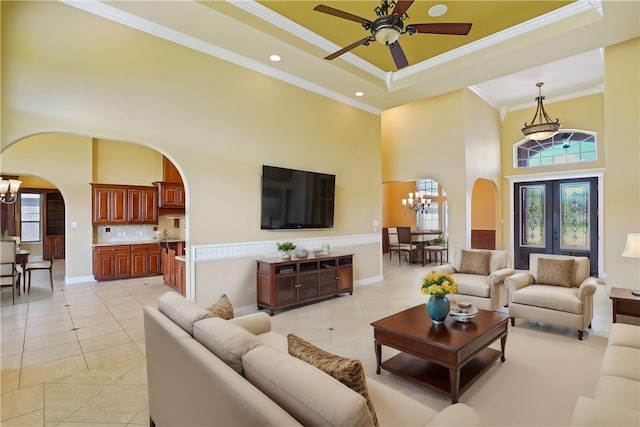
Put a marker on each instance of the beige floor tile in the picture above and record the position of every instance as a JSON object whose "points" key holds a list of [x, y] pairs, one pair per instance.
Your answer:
{"points": [[90, 424], [142, 417], [34, 321], [104, 341], [50, 354], [141, 345], [101, 375], [98, 330], [9, 380], [48, 372], [13, 325], [34, 418], [136, 334], [36, 343], [49, 328], [137, 375], [11, 347], [62, 400], [98, 319], [116, 404], [113, 356], [22, 401], [12, 361]]}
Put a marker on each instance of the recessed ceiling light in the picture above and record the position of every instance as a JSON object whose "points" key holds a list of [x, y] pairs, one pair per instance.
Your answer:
{"points": [[437, 10], [359, 93], [275, 58]]}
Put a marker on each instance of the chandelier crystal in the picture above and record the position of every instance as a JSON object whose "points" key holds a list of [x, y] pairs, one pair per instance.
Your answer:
{"points": [[545, 128]]}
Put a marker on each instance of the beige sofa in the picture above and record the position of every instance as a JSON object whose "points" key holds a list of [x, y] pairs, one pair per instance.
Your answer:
{"points": [[616, 401], [486, 290], [567, 302], [210, 371]]}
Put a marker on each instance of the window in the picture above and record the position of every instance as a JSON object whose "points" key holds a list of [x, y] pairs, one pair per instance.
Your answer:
{"points": [[567, 146], [30, 217], [435, 217]]}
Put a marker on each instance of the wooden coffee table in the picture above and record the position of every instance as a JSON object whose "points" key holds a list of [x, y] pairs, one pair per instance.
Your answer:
{"points": [[448, 357]]}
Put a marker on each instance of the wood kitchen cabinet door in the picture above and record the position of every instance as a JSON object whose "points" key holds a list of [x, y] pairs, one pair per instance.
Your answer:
{"points": [[143, 206], [119, 213]]}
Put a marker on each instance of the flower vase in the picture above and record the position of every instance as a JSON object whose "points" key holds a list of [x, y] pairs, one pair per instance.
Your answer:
{"points": [[286, 255], [438, 308]]}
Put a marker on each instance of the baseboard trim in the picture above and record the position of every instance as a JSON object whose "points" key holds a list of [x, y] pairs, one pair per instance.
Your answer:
{"points": [[78, 279]]}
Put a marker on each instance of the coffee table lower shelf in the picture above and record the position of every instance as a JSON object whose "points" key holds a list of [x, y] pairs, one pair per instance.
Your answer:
{"points": [[438, 377]]}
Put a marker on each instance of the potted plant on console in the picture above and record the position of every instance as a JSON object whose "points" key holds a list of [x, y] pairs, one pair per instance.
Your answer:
{"points": [[286, 249]]}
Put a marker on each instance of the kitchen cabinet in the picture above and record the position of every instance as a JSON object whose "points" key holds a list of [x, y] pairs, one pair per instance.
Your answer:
{"points": [[145, 260], [122, 204], [288, 283], [54, 226], [125, 261], [170, 194], [174, 269], [143, 205]]}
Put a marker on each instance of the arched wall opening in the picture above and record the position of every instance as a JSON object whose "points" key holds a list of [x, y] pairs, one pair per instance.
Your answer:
{"points": [[484, 214]]}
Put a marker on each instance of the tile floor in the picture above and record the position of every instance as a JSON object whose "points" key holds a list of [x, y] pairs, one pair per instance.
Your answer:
{"points": [[78, 358]]}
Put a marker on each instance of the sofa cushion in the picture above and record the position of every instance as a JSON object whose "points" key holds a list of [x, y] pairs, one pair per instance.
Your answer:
{"points": [[621, 362], [229, 342], [551, 297], [181, 311], [348, 371], [581, 266], [472, 284], [475, 262], [556, 272], [308, 394], [393, 408], [222, 308], [619, 391], [624, 335]]}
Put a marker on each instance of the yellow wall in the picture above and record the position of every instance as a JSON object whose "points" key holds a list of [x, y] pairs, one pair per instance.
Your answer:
{"points": [[117, 162], [483, 206], [216, 121], [622, 179], [393, 214]]}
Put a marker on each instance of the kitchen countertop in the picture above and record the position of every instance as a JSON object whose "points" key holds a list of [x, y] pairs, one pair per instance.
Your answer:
{"points": [[137, 242]]}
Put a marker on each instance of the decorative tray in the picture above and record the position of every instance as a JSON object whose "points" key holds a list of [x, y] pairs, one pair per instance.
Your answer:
{"points": [[463, 317]]}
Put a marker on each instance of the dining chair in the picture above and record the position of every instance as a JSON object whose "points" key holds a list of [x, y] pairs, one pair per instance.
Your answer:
{"points": [[9, 273], [45, 264], [403, 243]]}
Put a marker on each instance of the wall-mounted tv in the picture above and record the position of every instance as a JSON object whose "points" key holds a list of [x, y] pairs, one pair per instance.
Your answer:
{"points": [[294, 199]]}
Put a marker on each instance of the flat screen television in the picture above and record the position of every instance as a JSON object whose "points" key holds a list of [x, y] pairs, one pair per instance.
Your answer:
{"points": [[294, 199]]}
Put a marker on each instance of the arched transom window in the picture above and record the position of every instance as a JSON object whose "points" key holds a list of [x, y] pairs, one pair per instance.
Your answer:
{"points": [[567, 146]]}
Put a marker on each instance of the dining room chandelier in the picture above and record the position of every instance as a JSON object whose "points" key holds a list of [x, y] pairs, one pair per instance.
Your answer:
{"points": [[416, 202], [9, 190], [545, 127]]}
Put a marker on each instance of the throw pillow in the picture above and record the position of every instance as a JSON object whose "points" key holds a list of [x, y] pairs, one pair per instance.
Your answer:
{"points": [[222, 308], [348, 371], [556, 272], [475, 262]]}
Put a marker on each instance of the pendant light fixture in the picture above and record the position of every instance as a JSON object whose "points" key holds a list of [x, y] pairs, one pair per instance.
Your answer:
{"points": [[544, 128]]}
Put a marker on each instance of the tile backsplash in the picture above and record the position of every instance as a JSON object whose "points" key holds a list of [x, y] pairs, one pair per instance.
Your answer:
{"points": [[141, 232]]}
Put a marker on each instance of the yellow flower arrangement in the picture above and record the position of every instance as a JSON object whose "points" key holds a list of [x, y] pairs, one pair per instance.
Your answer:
{"points": [[438, 284]]}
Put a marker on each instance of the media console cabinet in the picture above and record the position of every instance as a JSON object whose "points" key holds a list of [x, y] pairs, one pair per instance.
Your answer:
{"points": [[288, 283]]}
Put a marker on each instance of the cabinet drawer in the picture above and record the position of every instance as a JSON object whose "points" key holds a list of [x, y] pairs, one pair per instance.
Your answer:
{"points": [[329, 288], [308, 292], [147, 247], [307, 280], [105, 250], [327, 276]]}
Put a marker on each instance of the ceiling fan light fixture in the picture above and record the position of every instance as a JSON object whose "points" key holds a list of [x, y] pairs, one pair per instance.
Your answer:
{"points": [[545, 128], [387, 34]]}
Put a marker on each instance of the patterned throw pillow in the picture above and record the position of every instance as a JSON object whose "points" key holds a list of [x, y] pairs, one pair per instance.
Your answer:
{"points": [[222, 308], [556, 272], [348, 371], [475, 262]]}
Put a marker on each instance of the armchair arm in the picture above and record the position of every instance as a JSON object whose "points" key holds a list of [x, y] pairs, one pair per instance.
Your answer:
{"points": [[587, 287], [518, 281], [444, 269], [458, 414], [499, 275], [256, 323]]}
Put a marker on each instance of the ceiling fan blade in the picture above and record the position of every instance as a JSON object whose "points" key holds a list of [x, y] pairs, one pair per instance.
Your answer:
{"points": [[454, 28], [347, 48], [398, 55], [340, 14], [402, 6]]}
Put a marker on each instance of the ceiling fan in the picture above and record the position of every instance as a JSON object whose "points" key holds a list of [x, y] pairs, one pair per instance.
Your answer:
{"points": [[388, 27]]}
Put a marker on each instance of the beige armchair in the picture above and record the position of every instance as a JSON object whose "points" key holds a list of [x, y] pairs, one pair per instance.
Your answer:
{"points": [[557, 290], [480, 276]]}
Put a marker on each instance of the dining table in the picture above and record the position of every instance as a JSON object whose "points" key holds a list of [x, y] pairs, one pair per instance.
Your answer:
{"points": [[22, 258], [421, 238]]}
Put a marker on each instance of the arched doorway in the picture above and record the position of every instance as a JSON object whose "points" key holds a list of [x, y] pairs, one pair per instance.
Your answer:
{"points": [[484, 214]]}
